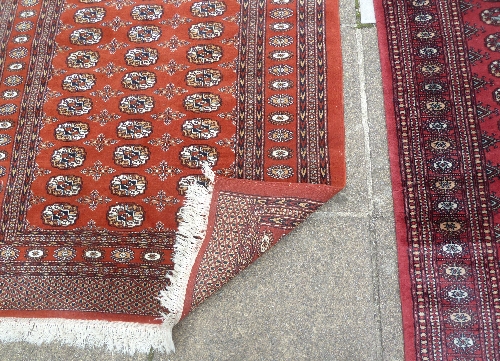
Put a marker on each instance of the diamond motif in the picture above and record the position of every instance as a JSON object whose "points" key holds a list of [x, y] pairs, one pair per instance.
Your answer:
{"points": [[176, 3], [100, 142], [170, 91], [172, 67], [110, 69], [168, 115], [174, 43], [120, 4], [161, 200], [116, 23], [34, 200], [231, 89], [107, 93], [93, 200], [165, 142], [175, 21], [113, 46], [163, 171], [97, 171], [104, 117]]}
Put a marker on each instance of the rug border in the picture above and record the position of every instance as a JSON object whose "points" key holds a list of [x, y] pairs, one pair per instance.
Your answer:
{"points": [[397, 189]]}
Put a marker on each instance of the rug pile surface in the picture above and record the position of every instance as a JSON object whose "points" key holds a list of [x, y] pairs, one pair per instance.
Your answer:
{"points": [[442, 83], [151, 150]]}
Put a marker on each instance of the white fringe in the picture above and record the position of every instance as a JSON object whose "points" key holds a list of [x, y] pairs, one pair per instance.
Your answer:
{"points": [[189, 238], [123, 337], [130, 337]]}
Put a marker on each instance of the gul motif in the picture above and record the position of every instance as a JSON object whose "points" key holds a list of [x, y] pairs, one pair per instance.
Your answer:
{"points": [[87, 36], [36, 254], [207, 30], [21, 39], [185, 182], [280, 153], [24, 25], [141, 57], [280, 171], [491, 16], [204, 54], [78, 82], [18, 53], [122, 255], [93, 254], [131, 155], [494, 68], [134, 129], [280, 100], [64, 254], [281, 70], [8, 253], [280, 135], [60, 215], [282, 27], [208, 8], [64, 185], [281, 13], [13, 80], [281, 84], [74, 106], [8, 109], [71, 131], [27, 14], [202, 102], [203, 78], [281, 40], [6, 124], [194, 156], [144, 34], [139, 80], [5, 139], [89, 15], [147, 12], [492, 42], [137, 104], [125, 215], [10, 94], [280, 55], [199, 128], [152, 256], [82, 59], [16, 66], [68, 157], [128, 185]]}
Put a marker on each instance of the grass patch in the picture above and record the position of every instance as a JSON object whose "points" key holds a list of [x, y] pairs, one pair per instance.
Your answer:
{"points": [[151, 355]]}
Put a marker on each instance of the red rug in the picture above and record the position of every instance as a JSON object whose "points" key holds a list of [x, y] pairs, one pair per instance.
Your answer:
{"points": [[151, 150], [441, 72]]}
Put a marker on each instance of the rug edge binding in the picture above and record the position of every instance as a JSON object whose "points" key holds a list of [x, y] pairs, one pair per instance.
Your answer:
{"points": [[131, 337]]}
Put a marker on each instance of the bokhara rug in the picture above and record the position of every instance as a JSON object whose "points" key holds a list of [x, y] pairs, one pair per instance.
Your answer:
{"points": [[151, 150], [441, 65]]}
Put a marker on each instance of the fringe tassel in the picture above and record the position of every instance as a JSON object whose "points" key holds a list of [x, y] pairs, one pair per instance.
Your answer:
{"points": [[193, 221], [123, 337]]}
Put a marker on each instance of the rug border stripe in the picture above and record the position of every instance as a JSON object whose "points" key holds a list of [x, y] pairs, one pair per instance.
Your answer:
{"points": [[397, 190]]}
